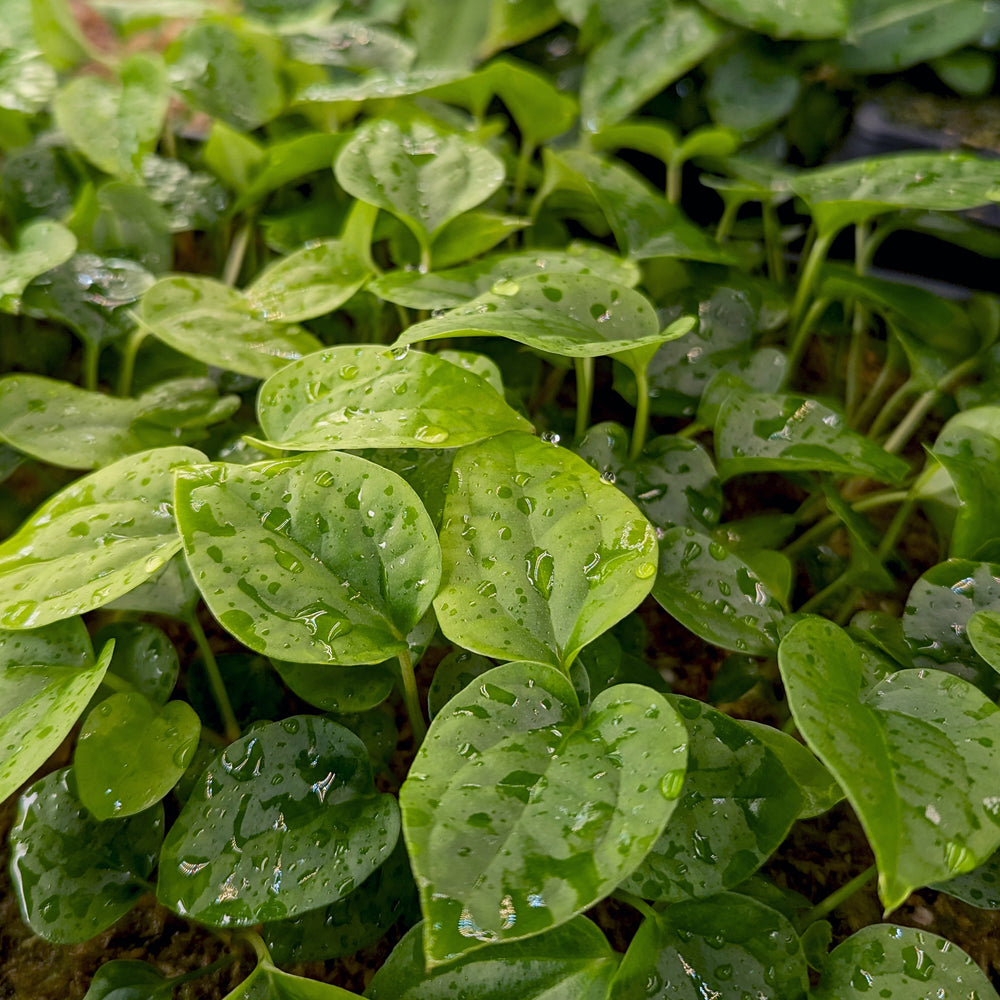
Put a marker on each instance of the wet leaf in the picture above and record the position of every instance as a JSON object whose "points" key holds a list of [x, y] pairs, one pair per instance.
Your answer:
{"points": [[900, 963], [368, 397], [285, 820], [427, 470], [984, 634], [144, 658], [540, 554], [727, 946], [268, 982], [335, 558], [128, 980], [457, 670], [47, 676], [41, 245], [789, 19], [913, 754], [750, 90], [715, 594], [216, 324], [336, 688], [73, 875], [572, 960], [737, 805], [130, 753], [519, 813], [979, 888], [170, 591], [95, 540]]}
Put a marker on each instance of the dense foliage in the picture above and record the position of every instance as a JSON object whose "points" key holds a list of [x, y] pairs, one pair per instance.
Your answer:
{"points": [[305, 309]]}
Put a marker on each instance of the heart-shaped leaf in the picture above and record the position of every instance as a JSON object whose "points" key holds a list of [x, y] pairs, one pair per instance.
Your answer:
{"points": [[540, 554], [913, 754], [73, 875], [519, 813], [216, 324], [93, 541], [900, 963], [337, 559], [571, 960], [725, 946], [285, 820], [367, 397], [736, 806], [47, 677], [130, 753], [129, 980], [42, 244]]}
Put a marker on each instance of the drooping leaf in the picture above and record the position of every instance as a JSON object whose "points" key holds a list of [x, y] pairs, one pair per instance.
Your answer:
{"points": [[519, 813], [540, 554], [93, 541], [726, 946], [73, 875], [285, 820], [144, 658], [912, 753], [41, 245], [571, 960], [368, 397], [337, 559], [736, 806]]}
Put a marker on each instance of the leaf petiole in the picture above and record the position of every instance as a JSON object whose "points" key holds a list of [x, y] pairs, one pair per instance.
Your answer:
{"points": [[232, 727], [839, 896], [411, 697]]}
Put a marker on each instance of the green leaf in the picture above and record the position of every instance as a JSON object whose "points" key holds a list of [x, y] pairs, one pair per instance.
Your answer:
{"points": [[572, 960], [636, 64], [357, 397], [715, 594], [750, 90], [335, 688], [287, 819], [913, 754], [457, 669], [984, 634], [93, 541], [47, 677], [128, 980], [267, 982], [473, 234], [75, 876], [423, 177], [540, 554], [737, 805], [311, 282], [336, 558], [130, 753], [792, 19], [777, 432], [725, 946], [427, 470], [216, 324], [170, 591], [673, 482], [144, 658], [901, 963], [115, 124], [574, 315], [519, 813], [243, 88], [58, 34], [979, 888], [41, 245], [191, 199]]}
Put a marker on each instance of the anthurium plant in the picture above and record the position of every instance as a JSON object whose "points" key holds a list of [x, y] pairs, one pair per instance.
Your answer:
{"points": [[373, 407]]}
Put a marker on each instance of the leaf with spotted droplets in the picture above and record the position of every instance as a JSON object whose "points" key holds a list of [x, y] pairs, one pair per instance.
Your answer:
{"points": [[285, 820], [915, 754], [92, 542], [325, 558], [520, 812], [540, 554]]}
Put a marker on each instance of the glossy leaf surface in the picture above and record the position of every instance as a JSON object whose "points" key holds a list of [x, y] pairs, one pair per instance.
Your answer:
{"points": [[979, 888], [144, 658], [367, 397], [122, 979], [41, 245], [913, 754], [519, 813], [736, 806], [337, 559], [268, 982], [792, 19], [75, 876], [93, 541], [540, 554], [286, 819]]}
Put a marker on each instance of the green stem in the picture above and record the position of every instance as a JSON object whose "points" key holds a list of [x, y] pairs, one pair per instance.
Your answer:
{"points": [[91, 356], [802, 333], [873, 399], [810, 272], [411, 697], [425, 257], [636, 902], [841, 895], [237, 251], [524, 156], [692, 430], [774, 251], [231, 726], [822, 528], [819, 599], [207, 970], [885, 415], [117, 684], [129, 352], [256, 942], [730, 209], [675, 175], [641, 425], [859, 328], [584, 393]]}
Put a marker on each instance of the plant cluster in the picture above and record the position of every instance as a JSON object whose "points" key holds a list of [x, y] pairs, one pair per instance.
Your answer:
{"points": [[299, 295]]}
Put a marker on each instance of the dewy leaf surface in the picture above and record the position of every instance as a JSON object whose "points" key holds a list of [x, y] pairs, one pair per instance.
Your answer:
{"points": [[789, 19], [519, 813], [324, 558], [286, 819], [540, 554], [578, 316], [367, 397], [914, 754], [95, 540], [42, 244], [570, 962]]}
